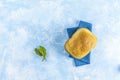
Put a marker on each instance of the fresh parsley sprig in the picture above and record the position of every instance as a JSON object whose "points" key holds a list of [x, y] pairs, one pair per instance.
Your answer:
{"points": [[41, 51]]}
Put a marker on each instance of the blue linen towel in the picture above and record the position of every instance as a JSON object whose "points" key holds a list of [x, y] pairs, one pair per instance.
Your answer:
{"points": [[70, 31]]}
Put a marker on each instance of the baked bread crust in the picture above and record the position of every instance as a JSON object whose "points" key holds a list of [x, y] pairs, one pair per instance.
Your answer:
{"points": [[81, 43]]}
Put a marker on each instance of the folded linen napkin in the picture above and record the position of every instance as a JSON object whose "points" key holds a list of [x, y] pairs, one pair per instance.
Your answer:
{"points": [[70, 31]]}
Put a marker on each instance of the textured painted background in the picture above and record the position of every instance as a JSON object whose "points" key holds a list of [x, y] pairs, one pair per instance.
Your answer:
{"points": [[26, 24]]}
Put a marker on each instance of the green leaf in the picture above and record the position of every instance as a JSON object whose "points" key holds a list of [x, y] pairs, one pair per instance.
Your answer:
{"points": [[38, 52], [41, 51]]}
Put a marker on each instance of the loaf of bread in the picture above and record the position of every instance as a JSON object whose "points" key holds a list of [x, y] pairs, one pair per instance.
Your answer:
{"points": [[81, 43]]}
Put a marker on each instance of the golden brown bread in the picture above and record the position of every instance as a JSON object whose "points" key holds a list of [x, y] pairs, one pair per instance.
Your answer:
{"points": [[81, 43]]}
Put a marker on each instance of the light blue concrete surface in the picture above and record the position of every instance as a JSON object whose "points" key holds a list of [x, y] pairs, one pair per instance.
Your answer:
{"points": [[26, 24]]}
